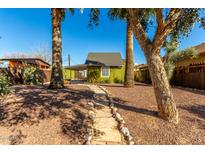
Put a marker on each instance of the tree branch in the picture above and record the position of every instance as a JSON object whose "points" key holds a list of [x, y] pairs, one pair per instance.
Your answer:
{"points": [[162, 33], [138, 30], [160, 20]]}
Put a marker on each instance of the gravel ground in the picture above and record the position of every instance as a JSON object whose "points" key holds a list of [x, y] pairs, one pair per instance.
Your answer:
{"points": [[139, 110], [35, 115]]}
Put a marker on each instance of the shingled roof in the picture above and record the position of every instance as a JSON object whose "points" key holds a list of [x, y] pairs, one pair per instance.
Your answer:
{"points": [[104, 59]]}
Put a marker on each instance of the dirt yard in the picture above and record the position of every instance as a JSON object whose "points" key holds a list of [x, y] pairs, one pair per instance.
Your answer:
{"points": [[139, 110], [35, 115]]}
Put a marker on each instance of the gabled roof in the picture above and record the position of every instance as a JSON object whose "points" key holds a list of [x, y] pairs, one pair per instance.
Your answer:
{"points": [[27, 60], [104, 59]]}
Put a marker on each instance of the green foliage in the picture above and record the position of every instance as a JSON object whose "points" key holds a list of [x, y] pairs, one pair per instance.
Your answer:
{"points": [[187, 19], [93, 75], [172, 56], [118, 13], [122, 14], [105, 80], [182, 54], [117, 80], [31, 75], [4, 84], [169, 68], [94, 17]]}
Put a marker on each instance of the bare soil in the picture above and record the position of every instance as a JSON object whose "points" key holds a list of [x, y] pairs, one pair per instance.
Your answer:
{"points": [[139, 109], [36, 115]]}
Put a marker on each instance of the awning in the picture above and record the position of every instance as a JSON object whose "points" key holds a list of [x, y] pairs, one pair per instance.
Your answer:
{"points": [[77, 67]]}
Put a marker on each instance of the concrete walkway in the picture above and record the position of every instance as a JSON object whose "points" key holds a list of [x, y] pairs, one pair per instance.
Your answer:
{"points": [[105, 124]]}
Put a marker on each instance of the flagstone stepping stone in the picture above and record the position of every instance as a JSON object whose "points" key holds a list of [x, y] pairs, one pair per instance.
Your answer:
{"points": [[105, 124]]}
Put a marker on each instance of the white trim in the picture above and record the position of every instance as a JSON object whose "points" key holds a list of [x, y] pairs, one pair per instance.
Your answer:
{"points": [[105, 67]]}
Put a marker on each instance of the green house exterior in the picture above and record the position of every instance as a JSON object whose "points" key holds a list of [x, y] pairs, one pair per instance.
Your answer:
{"points": [[116, 75], [68, 74], [98, 68]]}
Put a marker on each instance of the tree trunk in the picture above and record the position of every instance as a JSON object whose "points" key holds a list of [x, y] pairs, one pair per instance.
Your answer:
{"points": [[57, 73], [151, 49], [129, 66], [166, 105]]}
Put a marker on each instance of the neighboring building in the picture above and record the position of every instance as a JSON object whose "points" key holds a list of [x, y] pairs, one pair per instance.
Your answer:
{"points": [[141, 73], [13, 68], [99, 67], [191, 72], [196, 64], [188, 72], [18, 62]]}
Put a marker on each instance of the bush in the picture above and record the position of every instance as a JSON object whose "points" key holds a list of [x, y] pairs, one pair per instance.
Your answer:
{"points": [[93, 76], [116, 80], [31, 75], [105, 80], [4, 84]]}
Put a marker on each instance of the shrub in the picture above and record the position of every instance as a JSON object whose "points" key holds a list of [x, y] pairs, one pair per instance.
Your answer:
{"points": [[31, 75], [116, 80], [105, 80], [93, 76], [4, 84]]}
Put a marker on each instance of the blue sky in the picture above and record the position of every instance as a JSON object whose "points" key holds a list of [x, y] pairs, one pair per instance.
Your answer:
{"points": [[22, 30]]}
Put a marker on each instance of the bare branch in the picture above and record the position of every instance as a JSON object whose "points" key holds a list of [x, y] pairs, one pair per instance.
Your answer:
{"points": [[160, 20], [138, 30], [162, 33]]}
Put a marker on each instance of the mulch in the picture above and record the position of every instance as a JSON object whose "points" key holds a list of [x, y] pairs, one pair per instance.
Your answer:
{"points": [[139, 109], [36, 115]]}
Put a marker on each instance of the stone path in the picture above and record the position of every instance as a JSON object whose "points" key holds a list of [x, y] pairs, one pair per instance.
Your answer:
{"points": [[105, 124]]}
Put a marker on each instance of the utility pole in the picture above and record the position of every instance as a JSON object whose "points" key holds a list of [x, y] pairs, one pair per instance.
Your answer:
{"points": [[69, 65]]}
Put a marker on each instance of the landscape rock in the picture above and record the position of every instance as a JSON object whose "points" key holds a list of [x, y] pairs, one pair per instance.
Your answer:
{"points": [[91, 115], [90, 104], [114, 109], [129, 138], [131, 143]]}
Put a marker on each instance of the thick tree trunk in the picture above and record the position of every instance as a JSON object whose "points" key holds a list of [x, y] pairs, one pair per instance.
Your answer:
{"points": [[129, 66], [151, 49], [166, 105], [57, 73]]}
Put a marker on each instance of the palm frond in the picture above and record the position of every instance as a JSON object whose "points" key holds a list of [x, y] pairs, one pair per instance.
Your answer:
{"points": [[94, 17]]}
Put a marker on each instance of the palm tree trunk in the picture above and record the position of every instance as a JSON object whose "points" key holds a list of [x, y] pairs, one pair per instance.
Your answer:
{"points": [[57, 73], [129, 66]]}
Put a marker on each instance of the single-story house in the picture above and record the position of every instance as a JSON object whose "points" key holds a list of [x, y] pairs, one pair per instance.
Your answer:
{"points": [[98, 67], [188, 72]]}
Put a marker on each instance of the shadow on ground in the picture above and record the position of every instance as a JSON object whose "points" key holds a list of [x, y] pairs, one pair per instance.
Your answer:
{"points": [[198, 110], [121, 104], [31, 104]]}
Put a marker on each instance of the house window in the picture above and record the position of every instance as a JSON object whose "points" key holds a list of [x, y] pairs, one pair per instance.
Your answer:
{"points": [[105, 71]]}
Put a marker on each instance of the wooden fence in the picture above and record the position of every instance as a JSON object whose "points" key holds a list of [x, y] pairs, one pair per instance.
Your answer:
{"points": [[46, 74], [186, 79], [189, 79]]}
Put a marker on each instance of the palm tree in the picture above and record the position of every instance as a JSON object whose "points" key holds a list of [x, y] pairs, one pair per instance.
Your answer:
{"points": [[122, 14], [58, 15]]}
